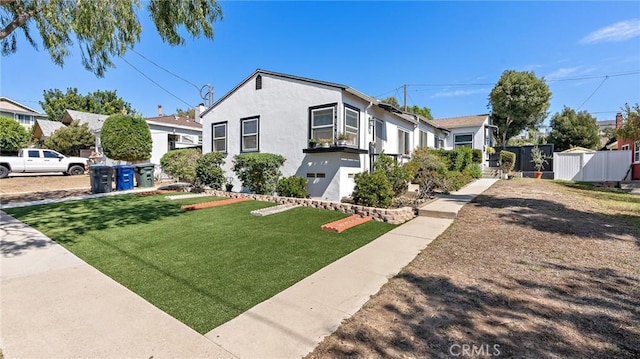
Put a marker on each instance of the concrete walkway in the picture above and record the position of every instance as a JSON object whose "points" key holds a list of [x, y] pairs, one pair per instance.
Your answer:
{"points": [[55, 305], [292, 323]]}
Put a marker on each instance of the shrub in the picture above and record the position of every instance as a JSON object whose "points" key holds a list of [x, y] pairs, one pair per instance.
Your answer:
{"points": [[258, 171], [429, 169], [476, 155], [507, 161], [294, 186], [473, 170], [70, 140], [181, 164], [12, 135], [372, 190], [126, 138], [454, 180], [398, 175], [208, 170]]}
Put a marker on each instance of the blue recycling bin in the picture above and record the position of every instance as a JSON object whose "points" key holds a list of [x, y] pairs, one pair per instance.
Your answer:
{"points": [[124, 177]]}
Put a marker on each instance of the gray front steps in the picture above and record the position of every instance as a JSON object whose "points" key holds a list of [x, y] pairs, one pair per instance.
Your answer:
{"points": [[490, 172]]}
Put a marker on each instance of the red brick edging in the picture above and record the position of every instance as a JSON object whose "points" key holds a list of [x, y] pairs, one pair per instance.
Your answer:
{"points": [[342, 225], [393, 216], [224, 202]]}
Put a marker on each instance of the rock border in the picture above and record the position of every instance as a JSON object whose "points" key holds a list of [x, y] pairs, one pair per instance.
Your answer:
{"points": [[393, 216]]}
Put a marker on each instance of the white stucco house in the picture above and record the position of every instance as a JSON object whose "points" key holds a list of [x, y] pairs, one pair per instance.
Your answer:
{"points": [[272, 112], [472, 131]]}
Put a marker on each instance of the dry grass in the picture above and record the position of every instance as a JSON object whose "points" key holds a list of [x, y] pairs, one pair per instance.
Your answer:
{"points": [[538, 268]]}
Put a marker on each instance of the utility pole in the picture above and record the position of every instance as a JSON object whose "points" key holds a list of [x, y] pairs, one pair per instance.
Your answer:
{"points": [[208, 96], [405, 97]]}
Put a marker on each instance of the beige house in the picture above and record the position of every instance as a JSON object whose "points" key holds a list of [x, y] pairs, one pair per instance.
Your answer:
{"points": [[25, 115]]}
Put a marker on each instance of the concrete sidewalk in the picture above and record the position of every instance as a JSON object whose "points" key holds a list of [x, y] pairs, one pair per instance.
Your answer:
{"points": [[293, 322], [54, 305]]}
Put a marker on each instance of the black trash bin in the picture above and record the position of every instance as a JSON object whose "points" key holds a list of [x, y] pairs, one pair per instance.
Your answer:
{"points": [[144, 174], [101, 177]]}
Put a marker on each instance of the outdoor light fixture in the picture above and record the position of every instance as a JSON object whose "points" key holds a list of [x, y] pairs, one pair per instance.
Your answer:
{"points": [[372, 122]]}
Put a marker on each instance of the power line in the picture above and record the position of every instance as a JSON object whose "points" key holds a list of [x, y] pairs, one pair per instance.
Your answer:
{"points": [[155, 83], [388, 92], [593, 93], [165, 70]]}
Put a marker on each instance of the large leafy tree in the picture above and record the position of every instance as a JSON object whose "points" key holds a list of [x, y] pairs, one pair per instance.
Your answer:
{"points": [[518, 101], [71, 139], [422, 111], [573, 129], [126, 138], [12, 135], [102, 29], [631, 128], [100, 102]]}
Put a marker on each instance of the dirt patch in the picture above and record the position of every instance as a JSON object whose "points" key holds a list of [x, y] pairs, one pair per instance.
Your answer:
{"points": [[529, 269]]}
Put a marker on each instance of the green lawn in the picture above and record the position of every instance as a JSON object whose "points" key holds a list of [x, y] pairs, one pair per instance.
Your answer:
{"points": [[203, 267]]}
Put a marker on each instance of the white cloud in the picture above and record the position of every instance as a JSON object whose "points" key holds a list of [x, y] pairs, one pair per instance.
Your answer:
{"points": [[456, 93], [569, 71], [620, 31]]}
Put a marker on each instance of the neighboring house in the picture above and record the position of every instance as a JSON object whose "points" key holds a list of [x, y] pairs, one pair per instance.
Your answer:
{"points": [[632, 145], [172, 132], [271, 112], [94, 121], [470, 131], [43, 129], [26, 116], [167, 133]]}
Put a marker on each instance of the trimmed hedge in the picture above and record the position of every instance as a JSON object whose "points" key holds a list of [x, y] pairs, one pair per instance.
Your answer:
{"points": [[258, 171], [294, 186], [372, 190], [181, 164], [209, 171], [507, 161], [126, 138], [476, 155]]}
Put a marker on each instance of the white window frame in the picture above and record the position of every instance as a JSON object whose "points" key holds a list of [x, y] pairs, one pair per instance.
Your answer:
{"points": [[313, 128], [350, 130], [214, 138], [423, 139], [244, 134], [636, 152], [404, 142], [624, 147], [457, 144]]}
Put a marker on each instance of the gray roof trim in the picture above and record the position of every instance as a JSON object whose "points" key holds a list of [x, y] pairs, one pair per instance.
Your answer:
{"points": [[275, 74]]}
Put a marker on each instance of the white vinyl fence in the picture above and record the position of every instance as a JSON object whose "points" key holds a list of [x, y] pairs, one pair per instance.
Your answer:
{"points": [[592, 167]]}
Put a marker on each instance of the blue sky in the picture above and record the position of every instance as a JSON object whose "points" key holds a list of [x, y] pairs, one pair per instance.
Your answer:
{"points": [[375, 47]]}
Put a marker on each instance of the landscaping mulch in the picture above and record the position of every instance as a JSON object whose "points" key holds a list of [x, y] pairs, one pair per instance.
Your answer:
{"points": [[531, 268]]}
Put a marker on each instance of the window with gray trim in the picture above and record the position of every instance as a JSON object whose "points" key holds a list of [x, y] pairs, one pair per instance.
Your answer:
{"points": [[250, 129], [351, 125], [219, 137], [424, 139], [404, 142], [323, 123], [463, 140]]}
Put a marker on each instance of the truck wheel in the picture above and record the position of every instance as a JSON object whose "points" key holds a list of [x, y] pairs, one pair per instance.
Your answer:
{"points": [[76, 170], [4, 172]]}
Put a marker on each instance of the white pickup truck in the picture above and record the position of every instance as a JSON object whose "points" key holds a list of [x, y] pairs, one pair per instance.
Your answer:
{"points": [[33, 160]]}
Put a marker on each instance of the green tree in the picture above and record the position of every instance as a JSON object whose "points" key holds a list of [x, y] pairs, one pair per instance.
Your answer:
{"points": [[12, 135], [70, 140], [186, 113], [571, 129], [631, 126], [100, 102], [518, 101], [126, 138], [102, 29], [422, 111]]}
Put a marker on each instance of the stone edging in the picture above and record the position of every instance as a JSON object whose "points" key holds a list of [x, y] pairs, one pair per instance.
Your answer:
{"points": [[393, 216]]}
